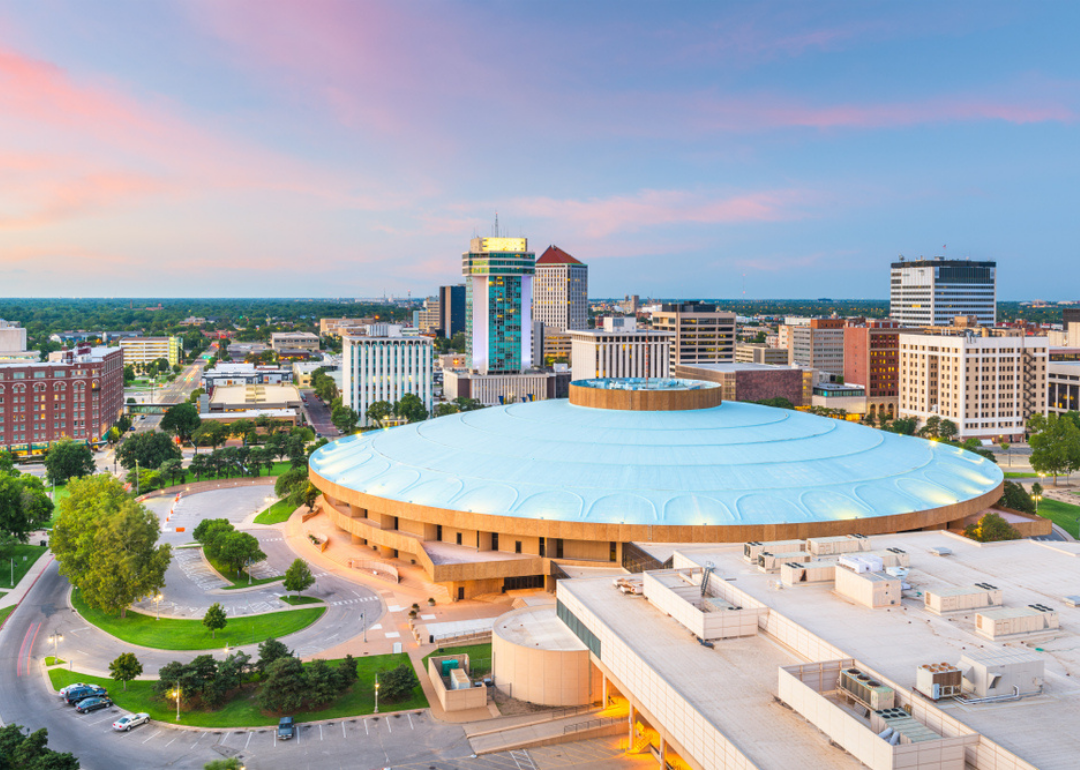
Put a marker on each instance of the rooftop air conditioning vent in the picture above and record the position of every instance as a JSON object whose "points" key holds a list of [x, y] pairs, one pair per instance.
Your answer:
{"points": [[896, 550], [1072, 601]]}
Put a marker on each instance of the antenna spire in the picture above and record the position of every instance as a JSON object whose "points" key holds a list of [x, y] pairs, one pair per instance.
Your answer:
{"points": [[496, 233]]}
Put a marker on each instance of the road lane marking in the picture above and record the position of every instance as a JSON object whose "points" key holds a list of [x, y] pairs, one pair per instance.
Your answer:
{"points": [[155, 735]]}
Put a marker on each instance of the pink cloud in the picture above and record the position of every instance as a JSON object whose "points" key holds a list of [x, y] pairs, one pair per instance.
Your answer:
{"points": [[599, 217]]}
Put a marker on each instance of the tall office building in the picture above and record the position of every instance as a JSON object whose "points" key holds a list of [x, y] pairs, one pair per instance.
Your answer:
{"points": [[561, 291], [452, 309], [819, 345], [498, 299], [383, 365], [703, 334], [932, 292], [620, 349]]}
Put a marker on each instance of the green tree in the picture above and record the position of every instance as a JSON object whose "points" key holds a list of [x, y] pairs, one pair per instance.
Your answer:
{"points": [[1014, 496], [215, 619], [149, 450], [69, 459], [344, 418], [129, 374], [284, 686], [345, 673], [123, 424], [7, 462], [467, 404], [1055, 445], [298, 577], [441, 410], [211, 433], [125, 668], [106, 544], [948, 430], [182, 420], [322, 684], [24, 506], [932, 428], [397, 684], [173, 472], [30, 751], [378, 411], [411, 408], [990, 529], [905, 426], [269, 651], [238, 549], [291, 484]]}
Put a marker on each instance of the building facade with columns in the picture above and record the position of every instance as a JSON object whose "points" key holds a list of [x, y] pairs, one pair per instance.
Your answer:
{"points": [[385, 368]]}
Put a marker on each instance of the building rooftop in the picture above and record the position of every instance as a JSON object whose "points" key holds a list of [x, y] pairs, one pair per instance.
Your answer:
{"points": [[734, 464], [556, 256], [253, 395], [732, 686], [894, 642], [539, 629], [742, 367]]}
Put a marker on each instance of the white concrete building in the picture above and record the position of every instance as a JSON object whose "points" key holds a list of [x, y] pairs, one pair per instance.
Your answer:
{"points": [[931, 292], [988, 386], [560, 291], [385, 368], [620, 350], [12, 337]]}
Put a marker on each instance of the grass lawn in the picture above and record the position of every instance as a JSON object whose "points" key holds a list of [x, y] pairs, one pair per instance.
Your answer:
{"points": [[296, 601], [51, 661], [1020, 475], [242, 580], [5, 612], [479, 657], [277, 469], [3, 594], [180, 634], [24, 556], [276, 513], [1065, 515], [243, 710]]}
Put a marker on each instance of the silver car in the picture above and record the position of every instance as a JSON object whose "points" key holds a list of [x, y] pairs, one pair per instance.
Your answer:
{"points": [[64, 691], [125, 723]]}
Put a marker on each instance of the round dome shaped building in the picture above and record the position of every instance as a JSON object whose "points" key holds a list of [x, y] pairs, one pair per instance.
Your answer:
{"points": [[486, 500]]}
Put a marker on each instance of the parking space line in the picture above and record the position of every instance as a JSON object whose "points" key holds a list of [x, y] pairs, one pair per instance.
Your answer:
{"points": [[410, 722], [343, 733], [365, 727], [170, 743], [155, 735], [388, 727], [196, 743], [250, 733], [320, 732]]}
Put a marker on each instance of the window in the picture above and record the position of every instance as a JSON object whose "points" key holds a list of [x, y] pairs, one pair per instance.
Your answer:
{"points": [[579, 629], [459, 538], [494, 541], [517, 546]]}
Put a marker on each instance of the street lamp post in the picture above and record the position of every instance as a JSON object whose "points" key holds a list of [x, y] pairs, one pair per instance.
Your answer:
{"points": [[56, 637], [376, 693], [176, 693], [364, 625], [157, 603]]}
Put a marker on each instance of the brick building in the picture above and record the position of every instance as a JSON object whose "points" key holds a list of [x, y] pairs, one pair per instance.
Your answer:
{"points": [[79, 397], [872, 359]]}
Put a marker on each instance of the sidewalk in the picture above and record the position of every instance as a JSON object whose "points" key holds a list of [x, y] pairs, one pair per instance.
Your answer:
{"points": [[16, 594]]}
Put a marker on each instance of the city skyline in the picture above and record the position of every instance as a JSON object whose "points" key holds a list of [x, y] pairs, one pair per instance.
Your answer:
{"points": [[351, 149]]}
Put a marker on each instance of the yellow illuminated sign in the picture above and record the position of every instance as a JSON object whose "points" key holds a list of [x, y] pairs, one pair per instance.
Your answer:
{"points": [[503, 244]]}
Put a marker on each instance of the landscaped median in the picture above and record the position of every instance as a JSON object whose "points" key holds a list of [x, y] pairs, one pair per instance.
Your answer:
{"points": [[1065, 515], [242, 710], [276, 513], [17, 562], [181, 634]]}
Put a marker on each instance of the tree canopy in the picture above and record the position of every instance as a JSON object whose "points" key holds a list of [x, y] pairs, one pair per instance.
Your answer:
{"points": [[69, 459], [21, 751], [24, 506], [1055, 444], [990, 529], [106, 544], [149, 450], [181, 420]]}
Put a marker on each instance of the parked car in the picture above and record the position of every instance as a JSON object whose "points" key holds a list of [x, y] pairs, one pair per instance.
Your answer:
{"points": [[79, 693], [125, 723], [65, 690], [92, 704], [286, 729]]}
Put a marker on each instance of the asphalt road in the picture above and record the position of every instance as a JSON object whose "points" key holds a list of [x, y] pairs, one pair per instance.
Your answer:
{"points": [[318, 416]]}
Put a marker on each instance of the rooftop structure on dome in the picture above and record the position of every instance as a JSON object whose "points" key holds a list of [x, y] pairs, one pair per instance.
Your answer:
{"points": [[642, 383], [617, 462]]}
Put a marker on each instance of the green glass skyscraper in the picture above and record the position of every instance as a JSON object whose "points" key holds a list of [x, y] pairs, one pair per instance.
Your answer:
{"points": [[498, 304]]}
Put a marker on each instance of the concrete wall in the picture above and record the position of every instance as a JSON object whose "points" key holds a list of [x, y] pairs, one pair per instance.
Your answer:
{"points": [[454, 700], [544, 677]]}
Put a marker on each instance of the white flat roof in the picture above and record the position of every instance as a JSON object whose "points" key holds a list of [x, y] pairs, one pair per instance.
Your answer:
{"points": [[894, 642]]}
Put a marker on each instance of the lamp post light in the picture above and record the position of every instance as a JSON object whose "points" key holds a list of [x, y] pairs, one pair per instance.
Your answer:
{"points": [[376, 693], [176, 693], [1036, 498], [364, 625], [56, 637], [157, 604]]}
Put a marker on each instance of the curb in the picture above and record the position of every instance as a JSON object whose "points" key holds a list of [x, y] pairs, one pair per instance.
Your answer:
{"points": [[28, 590]]}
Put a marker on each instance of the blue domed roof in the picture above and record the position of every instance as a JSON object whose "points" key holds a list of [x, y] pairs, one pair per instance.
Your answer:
{"points": [[734, 464]]}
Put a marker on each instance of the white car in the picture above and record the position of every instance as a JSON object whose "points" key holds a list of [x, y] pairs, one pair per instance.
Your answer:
{"points": [[123, 724], [63, 692]]}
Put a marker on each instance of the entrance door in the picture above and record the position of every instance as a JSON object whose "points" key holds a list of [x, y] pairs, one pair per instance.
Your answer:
{"points": [[461, 593]]}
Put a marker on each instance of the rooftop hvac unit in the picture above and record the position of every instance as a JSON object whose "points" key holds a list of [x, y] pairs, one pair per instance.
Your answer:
{"points": [[938, 680], [940, 550], [1072, 601], [866, 690]]}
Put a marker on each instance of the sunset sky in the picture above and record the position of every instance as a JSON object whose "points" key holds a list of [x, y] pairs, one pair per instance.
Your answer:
{"points": [[346, 148]]}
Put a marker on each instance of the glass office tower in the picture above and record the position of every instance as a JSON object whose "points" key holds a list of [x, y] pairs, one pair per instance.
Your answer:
{"points": [[498, 304]]}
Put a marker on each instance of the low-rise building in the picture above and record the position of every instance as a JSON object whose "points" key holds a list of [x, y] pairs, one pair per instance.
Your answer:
{"points": [[1063, 381], [819, 345], [12, 337], [756, 353], [145, 350], [620, 349], [492, 389], [238, 398], [225, 374], [753, 382], [872, 360], [280, 341], [702, 333]]}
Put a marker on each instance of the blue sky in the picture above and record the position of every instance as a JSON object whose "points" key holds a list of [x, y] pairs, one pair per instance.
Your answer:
{"points": [[338, 148]]}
